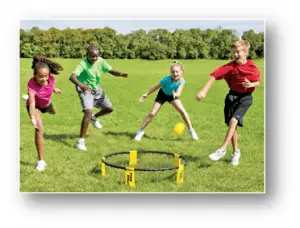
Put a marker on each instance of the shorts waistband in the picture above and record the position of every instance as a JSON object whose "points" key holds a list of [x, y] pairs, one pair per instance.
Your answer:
{"points": [[232, 92]]}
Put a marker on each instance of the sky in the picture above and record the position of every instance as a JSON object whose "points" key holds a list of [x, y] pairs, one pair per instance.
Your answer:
{"points": [[127, 26]]}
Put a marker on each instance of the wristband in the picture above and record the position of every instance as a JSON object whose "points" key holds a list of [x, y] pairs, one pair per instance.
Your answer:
{"points": [[145, 95]]}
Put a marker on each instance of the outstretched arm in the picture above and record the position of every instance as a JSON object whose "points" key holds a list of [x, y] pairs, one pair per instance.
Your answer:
{"points": [[32, 108], [57, 91], [178, 92], [151, 90], [202, 93], [117, 73]]}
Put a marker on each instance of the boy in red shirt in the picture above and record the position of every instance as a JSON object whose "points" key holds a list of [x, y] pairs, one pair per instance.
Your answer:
{"points": [[242, 76]]}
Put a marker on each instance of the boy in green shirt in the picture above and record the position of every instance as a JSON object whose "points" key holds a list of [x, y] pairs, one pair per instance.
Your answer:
{"points": [[86, 78]]}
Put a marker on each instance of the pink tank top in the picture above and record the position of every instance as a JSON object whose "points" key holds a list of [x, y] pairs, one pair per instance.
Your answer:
{"points": [[43, 94]]}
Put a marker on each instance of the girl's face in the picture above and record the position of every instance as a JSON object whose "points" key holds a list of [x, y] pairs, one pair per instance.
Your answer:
{"points": [[239, 55], [176, 72], [92, 56], [42, 76]]}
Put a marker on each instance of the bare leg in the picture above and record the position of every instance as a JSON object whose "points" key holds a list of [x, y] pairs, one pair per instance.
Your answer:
{"points": [[85, 122], [234, 141], [230, 133], [153, 112], [104, 111], [39, 140], [179, 107], [51, 110]]}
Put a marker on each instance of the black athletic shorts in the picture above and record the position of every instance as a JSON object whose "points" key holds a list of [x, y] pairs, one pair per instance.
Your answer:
{"points": [[162, 97], [236, 105], [43, 110]]}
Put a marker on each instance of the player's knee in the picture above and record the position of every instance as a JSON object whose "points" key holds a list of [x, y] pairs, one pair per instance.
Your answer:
{"points": [[151, 114], [109, 109], [39, 131], [88, 113], [233, 121]]}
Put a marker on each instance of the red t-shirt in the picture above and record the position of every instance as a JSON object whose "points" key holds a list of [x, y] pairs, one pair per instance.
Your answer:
{"points": [[235, 74]]}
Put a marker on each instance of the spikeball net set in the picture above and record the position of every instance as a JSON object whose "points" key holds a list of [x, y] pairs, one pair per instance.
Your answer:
{"points": [[179, 163]]}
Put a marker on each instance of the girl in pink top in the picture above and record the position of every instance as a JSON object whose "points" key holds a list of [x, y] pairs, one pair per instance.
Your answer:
{"points": [[40, 89]]}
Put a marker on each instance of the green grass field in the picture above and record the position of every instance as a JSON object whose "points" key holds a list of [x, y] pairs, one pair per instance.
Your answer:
{"points": [[71, 170]]}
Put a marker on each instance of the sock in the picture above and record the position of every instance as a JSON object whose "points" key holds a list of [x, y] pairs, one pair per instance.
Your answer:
{"points": [[94, 117], [81, 140]]}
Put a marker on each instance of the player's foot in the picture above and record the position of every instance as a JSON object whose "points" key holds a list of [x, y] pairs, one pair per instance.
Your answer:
{"points": [[95, 122], [217, 155], [139, 135], [81, 146], [235, 157], [193, 134], [40, 165]]}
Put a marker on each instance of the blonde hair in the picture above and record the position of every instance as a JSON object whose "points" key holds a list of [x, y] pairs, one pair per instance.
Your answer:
{"points": [[242, 43], [177, 63]]}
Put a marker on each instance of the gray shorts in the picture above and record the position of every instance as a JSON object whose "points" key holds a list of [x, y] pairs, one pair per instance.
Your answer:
{"points": [[95, 98]]}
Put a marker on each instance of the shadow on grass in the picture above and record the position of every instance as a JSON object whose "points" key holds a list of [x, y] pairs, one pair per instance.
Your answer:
{"points": [[127, 134], [95, 170], [197, 159], [61, 138], [162, 139], [171, 178], [226, 160], [26, 163], [132, 135]]}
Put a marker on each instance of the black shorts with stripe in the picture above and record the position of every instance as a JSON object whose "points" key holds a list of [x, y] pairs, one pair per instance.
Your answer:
{"points": [[43, 110], [162, 97], [236, 105]]}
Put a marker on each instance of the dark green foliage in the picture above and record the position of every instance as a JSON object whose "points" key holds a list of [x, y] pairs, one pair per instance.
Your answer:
{"points": [[155, 44]]}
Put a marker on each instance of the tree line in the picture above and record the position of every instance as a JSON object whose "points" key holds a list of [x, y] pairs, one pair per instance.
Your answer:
{"points": [[152, 45]]}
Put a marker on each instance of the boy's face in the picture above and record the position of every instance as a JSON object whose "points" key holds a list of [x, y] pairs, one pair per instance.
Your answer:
{"points": [[42, 76], [239, 55], [176, 72], [92, 56]]}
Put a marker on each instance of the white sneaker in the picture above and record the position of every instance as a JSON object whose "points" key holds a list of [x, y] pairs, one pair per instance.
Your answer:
{"points": [[40, 165], [95, 122], [80, 146], [139, 135], [193, 134], [235, 157], [217, 155]]}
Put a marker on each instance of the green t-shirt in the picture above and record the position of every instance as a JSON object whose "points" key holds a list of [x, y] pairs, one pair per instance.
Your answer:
{"points": [[90, 74]]}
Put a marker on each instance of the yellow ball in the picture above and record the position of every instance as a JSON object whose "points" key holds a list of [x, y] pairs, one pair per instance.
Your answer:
{"points": [[179, 128]]}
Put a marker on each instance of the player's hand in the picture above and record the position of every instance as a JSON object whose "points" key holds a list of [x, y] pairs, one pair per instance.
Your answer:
{"points": [[57, 91], [174, 94], [144, 96], [124, 75], [85, 88], [142, 99], [33, 121], [247, 83], [201, 95]]}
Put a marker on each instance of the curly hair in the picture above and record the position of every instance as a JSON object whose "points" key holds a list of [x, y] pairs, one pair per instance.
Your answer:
{"points": [[54, 67]]}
